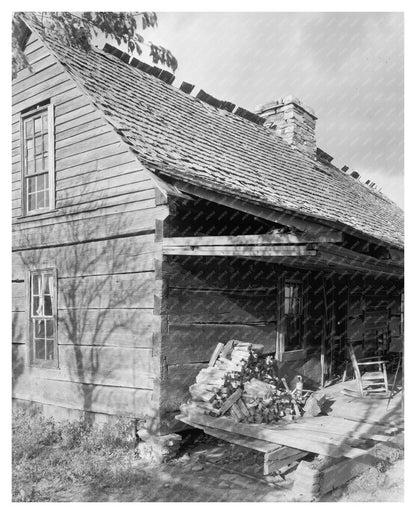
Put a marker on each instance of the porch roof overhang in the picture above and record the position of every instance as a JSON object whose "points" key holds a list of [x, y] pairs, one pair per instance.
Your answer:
{"points": [[308, 252]]}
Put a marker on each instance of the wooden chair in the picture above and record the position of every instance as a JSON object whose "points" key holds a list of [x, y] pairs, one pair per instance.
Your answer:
{"points": [[369, 379]]}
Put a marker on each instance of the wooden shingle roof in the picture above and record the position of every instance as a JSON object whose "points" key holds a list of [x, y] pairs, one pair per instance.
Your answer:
{"points": [[183, 137]]}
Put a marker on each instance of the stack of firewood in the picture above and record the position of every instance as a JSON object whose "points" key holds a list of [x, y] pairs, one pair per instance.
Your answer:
{"points": [[241, 383]]}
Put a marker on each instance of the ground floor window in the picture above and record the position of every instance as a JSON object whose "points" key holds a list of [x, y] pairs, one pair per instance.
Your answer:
{"points": [[290, 319], [43, 317]]}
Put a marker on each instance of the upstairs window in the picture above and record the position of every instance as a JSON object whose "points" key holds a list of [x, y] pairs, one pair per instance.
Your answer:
{"points": [[43, 318], [38, 160]]}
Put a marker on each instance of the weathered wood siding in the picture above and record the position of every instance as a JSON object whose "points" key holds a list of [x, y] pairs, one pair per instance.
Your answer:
{"points": [[101, 240], [211, 300], [374, 310]]}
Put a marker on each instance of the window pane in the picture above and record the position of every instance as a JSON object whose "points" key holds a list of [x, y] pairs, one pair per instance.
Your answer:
{"points": [[49, 327], [31, 204], [47, 305], [38, 124], [294, 333], [39, 164], [45, 143], [35, 284], [49, 349], [39, 349], [29, 127], [38, 145], [30, 165], [40, 200], [47, 284], [46, 198], [287, 305], [39, 329], [31, 184]]}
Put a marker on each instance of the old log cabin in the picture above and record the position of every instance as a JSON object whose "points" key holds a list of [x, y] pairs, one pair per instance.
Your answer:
{"points": [[150, 223]]}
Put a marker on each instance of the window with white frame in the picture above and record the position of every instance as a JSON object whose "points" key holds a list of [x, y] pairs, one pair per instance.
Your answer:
{"points": [[43, 317], [38, 160]]}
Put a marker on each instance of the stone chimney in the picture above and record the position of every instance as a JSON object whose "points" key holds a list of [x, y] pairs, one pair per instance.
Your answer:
{"points": [[293, 121]]}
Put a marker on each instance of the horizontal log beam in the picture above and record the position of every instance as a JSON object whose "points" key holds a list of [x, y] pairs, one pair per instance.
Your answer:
{"points": [[240, 251], [357, 261], [256, 239]]}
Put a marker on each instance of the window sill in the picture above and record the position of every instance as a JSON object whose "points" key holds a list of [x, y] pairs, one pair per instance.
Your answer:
{"points": [[44, 365], [37, 215]]}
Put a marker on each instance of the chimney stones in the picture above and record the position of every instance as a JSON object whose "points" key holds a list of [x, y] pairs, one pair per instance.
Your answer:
{"points": [[293, 121]]}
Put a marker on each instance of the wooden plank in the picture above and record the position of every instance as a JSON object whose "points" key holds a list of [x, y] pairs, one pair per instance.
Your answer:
{"points": [[98, 365], [355, 260], [74, 110], [97, 225], [107, 327], [247, 442], [119, 401], [106, 193], [19, 327], [187, 306], [215, 354], [49, 92], [83, 135], [176, 385], [329, 447], [222, 275], [120, 255], [193, 343], [280, 453], [344, 426], [76, 152], [91, 171], [240, 251], [230, 401], [104, 200], [132, 290], [43, 62], [254, 239], [80, 126], [336, 431], [121, 173], [35, 82], [276, 465], [18, 296]]}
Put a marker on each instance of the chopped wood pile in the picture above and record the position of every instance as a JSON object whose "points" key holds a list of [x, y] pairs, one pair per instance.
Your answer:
{"points": [[241, 383]]}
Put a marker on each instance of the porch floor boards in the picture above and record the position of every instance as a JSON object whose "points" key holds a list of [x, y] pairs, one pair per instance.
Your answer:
{"points": [[350, 427]]}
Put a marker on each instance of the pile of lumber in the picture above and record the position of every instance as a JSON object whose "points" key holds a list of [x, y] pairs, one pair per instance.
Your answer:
{"points": [[241, 383]]}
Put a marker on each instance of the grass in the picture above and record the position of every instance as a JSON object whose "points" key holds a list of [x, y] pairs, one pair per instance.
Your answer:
{"points": [[50, 458]]}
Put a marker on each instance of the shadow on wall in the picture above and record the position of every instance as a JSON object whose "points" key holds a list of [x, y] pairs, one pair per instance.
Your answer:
{"points": [[100, 284]]}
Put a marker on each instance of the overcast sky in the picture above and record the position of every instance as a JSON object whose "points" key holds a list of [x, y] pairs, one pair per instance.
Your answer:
{"points": [[347, 66]]}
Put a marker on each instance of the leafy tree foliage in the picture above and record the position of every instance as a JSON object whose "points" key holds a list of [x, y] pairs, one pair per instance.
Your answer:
{"points": [[78, 29]]}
